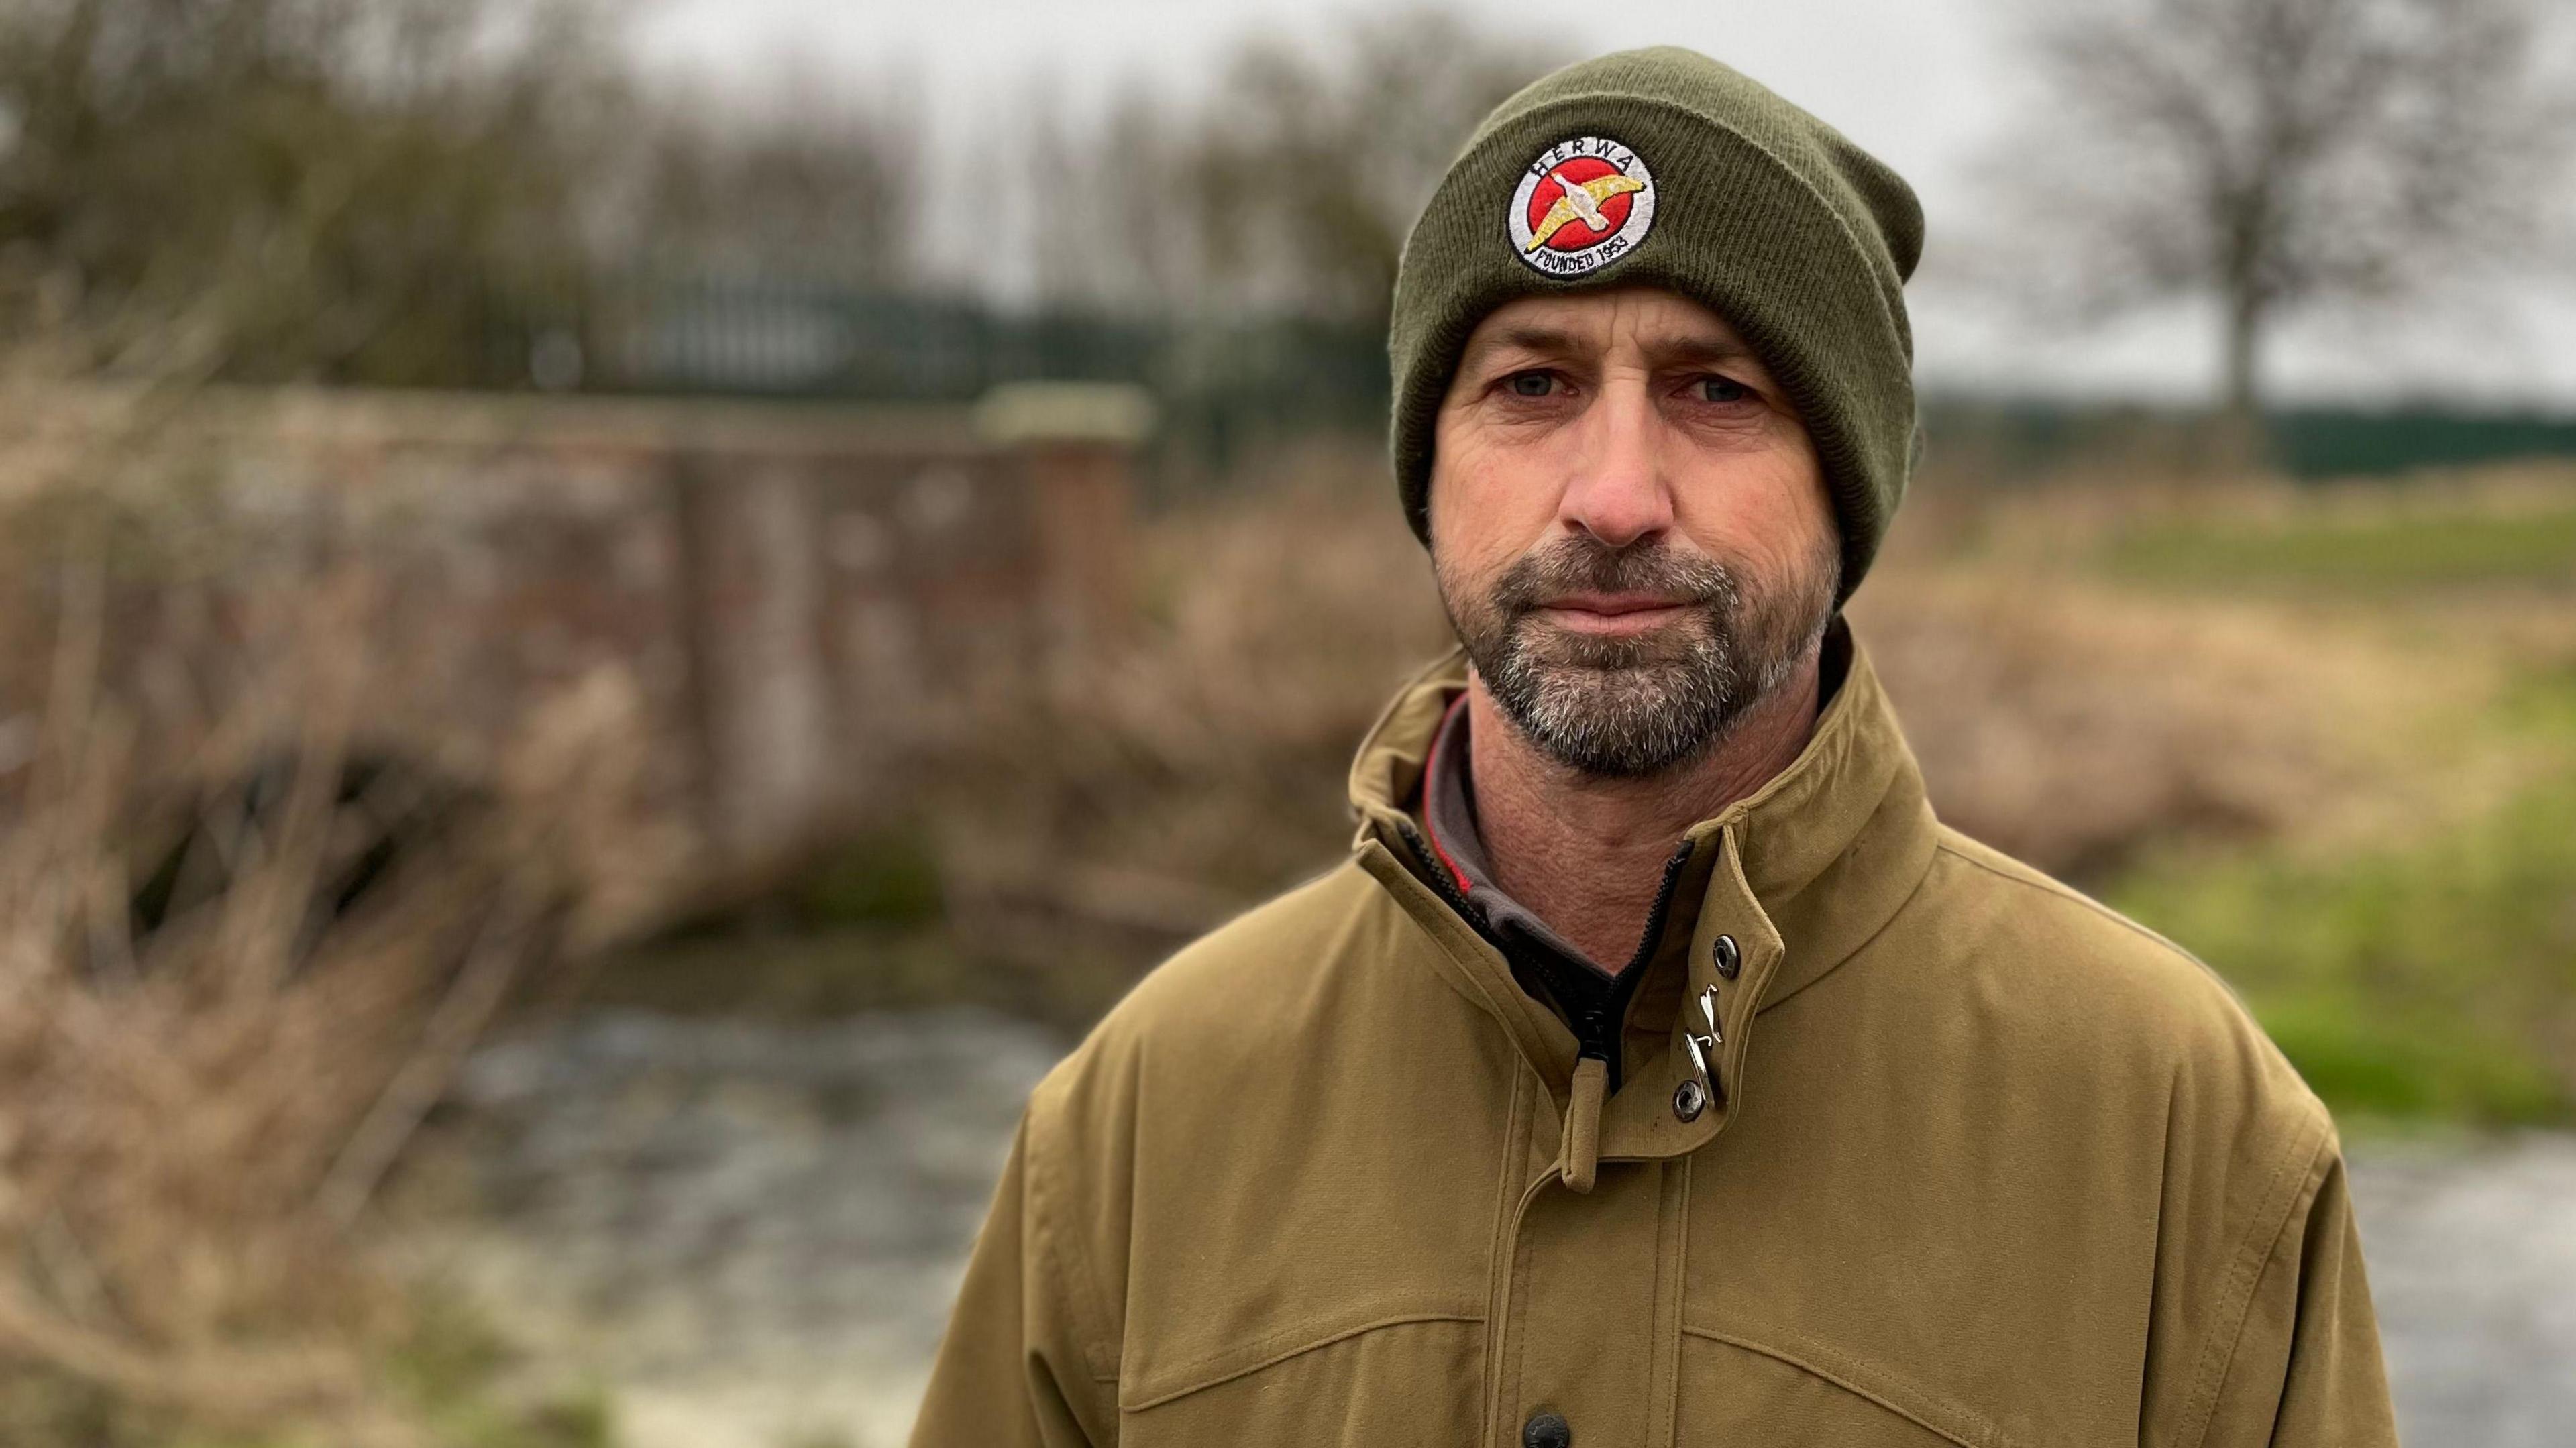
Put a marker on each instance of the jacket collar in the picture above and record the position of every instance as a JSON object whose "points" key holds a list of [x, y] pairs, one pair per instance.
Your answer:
{"points": [[1800, 873]]}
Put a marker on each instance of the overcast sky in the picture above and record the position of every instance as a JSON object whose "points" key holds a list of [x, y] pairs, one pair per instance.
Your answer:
{"points": [[1925, 84]]}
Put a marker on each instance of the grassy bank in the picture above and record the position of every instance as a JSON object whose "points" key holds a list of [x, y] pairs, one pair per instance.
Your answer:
{"points": [[2428, 974], [2425, 968]]}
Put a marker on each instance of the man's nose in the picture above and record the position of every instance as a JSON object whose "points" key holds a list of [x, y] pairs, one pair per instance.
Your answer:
{"points": [[1618, 493]]}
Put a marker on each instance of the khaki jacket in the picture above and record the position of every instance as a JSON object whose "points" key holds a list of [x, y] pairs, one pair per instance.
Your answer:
{"points": [[1985, 1165]]}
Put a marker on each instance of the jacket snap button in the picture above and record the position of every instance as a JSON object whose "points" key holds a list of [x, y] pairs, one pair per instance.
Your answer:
{"points": [[1689, 1100], [1546, 1430], [1723, 954]]}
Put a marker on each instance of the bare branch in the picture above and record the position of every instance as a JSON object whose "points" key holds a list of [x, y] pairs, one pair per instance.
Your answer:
{"points": [[2279, 155]]}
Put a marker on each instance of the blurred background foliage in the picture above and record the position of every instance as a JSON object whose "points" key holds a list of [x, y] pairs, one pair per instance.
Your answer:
{"points": [[288, 189], [2295, 685]]}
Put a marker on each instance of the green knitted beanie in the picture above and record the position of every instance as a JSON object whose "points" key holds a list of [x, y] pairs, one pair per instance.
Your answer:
{"points": [[1664, 168]]}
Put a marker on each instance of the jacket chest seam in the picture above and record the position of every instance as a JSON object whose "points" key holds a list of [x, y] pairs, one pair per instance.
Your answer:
{"points": [[1663, 1424], [1511, 1280], [1507, 1338], [1502, 1255]]}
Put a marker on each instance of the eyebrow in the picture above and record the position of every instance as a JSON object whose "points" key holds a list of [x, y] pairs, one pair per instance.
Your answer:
{"points": [[1699, 350], [1541, 340], [1665, 352]]}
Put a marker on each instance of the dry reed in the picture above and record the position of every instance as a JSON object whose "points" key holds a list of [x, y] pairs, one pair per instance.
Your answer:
{"points": [[206, 1074]]}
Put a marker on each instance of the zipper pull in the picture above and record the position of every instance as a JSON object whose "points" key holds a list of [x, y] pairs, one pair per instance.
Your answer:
{"points": [[1583, 1122]]}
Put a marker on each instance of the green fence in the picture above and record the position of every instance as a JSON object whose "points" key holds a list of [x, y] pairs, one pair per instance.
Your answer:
{"points": [[2020, 439], [2327, 443], [1224, 387]]}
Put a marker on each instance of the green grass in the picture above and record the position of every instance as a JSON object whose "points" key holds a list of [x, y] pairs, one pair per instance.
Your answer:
{"points": [[2432, 551], [450, 1375], [2428, 975], [453, 1368], [886, 878]]}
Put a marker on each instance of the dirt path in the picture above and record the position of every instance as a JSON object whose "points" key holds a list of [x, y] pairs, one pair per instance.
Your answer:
{"points": [[751, 1233]]}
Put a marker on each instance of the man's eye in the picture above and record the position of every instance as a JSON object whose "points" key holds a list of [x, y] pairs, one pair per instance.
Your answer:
{"points": [[1720, 389], [1531, 384]]}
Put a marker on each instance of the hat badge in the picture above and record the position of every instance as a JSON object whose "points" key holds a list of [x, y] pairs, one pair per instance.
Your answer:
{"points": [[1582, 204]]}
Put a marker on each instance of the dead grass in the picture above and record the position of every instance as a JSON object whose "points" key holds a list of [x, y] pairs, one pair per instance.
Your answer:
{"points": [[2072, 724], [1200, 764], [203, 1086]]}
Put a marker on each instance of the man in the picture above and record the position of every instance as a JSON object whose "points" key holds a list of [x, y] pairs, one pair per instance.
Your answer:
{"points": [[1659, 1070]]}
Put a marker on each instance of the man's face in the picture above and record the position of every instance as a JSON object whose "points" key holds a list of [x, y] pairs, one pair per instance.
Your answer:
{"points": [[1628, 524]]}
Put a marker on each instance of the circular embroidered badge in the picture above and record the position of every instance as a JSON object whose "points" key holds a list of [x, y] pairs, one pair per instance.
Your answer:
{"points": [[1584, 203]]}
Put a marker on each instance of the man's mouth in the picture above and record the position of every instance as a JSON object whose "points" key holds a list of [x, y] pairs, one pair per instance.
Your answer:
{"points": [[1612, 614]]}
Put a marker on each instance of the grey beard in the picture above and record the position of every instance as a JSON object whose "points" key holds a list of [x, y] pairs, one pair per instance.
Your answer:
{"points": [[1631, 707]]}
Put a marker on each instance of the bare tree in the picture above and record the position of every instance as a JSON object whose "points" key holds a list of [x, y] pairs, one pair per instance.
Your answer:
{"points": [[274, 189], [2278, 156], [1289, 190], [1312, 169], [1114, 227], [806, 178]]}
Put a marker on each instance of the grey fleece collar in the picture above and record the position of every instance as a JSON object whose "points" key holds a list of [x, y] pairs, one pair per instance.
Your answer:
{"points": [[1449, 818]]}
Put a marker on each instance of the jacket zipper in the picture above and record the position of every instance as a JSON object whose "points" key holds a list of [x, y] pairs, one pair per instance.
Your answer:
{"points": [[1596, 1029], [1611, 1018]]}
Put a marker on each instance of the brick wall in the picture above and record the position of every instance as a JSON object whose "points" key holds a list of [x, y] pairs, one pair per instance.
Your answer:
{"points": [[802, 596]]}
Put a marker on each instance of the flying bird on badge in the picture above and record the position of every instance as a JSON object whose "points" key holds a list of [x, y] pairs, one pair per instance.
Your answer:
{"points": [[1581, 201]]}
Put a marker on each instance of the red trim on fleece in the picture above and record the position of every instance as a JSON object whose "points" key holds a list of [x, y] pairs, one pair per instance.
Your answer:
{"points": [[1430, 774]]}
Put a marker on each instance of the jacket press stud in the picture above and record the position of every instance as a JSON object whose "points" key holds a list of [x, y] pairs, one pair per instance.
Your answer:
{"points": [[1689, 1100], [1723, 954]]}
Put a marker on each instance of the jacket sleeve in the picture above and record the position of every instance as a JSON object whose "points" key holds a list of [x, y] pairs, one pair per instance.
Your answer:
{"points": [[2306, 1369], [1015, 1370]]}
